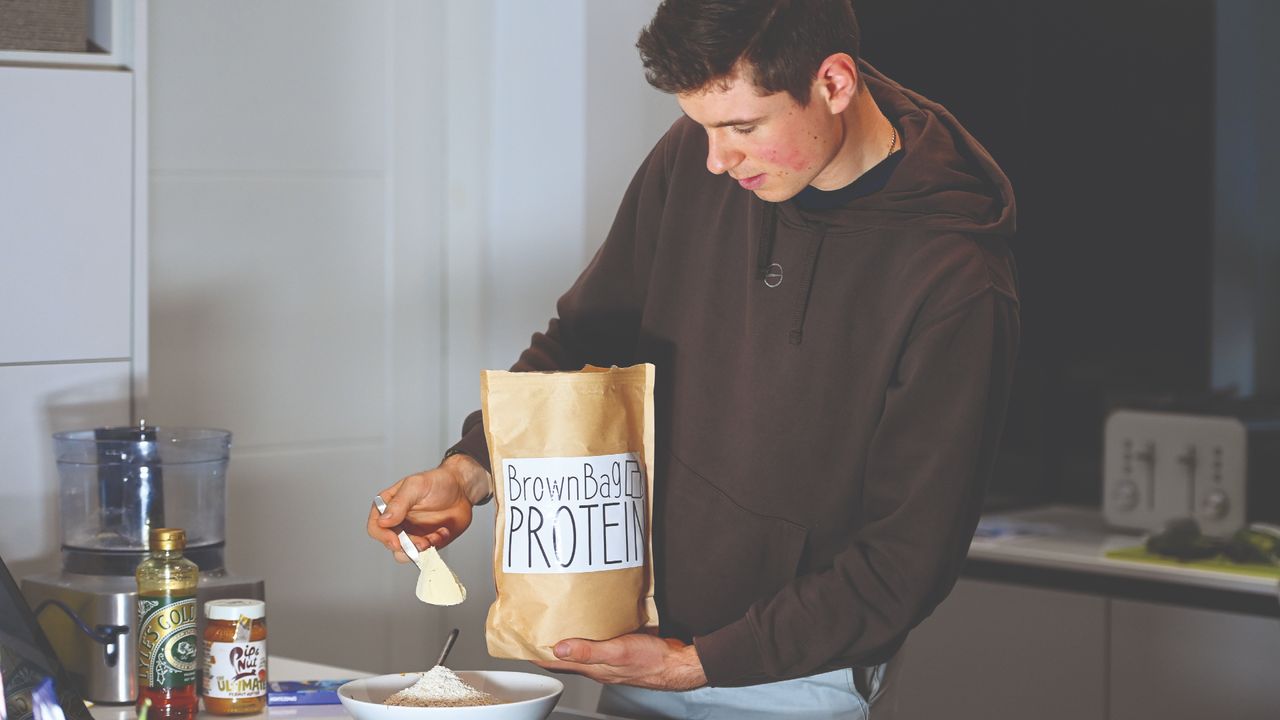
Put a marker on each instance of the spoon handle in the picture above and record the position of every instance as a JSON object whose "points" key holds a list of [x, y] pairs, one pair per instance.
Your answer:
{"points": [[448, 645]]}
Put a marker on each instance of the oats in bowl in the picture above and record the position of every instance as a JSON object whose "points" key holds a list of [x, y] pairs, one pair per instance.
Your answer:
{"points": [[440, 687]]}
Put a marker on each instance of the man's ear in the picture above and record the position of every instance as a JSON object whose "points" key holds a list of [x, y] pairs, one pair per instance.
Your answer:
{"points": [[837, 82]]}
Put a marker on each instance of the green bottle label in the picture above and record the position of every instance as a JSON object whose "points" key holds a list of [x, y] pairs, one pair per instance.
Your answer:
{"points": [[167, 641]]}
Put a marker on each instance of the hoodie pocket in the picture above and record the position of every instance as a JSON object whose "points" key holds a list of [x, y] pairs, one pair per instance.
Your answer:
{"points": [[718, 558]]}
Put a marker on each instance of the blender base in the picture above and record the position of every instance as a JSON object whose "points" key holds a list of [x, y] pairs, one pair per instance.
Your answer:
{"points": [[112, 600]]}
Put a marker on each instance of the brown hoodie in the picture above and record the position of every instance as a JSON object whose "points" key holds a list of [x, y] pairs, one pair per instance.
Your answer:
{"points": [[823, 445]]}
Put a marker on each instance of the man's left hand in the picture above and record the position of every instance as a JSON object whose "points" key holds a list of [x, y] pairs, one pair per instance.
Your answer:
{"points": [[636, 659]]}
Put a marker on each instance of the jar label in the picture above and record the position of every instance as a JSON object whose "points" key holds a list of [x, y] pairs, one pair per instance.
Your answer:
{"points": [[235, 670], [167, 645]]}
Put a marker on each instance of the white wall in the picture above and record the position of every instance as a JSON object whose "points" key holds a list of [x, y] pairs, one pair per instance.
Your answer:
{"points": [[537, 167], [625, 115], [295, 264], [357, 207]]}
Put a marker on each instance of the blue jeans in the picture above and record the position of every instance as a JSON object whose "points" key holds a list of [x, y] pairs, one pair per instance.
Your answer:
{"points": [[828, 696]]}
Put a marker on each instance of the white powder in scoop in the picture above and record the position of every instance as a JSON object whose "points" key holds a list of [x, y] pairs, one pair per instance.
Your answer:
{"points": [[439, 687]]}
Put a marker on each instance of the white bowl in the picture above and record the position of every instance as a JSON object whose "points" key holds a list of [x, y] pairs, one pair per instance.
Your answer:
{"points": [[528, 697]]}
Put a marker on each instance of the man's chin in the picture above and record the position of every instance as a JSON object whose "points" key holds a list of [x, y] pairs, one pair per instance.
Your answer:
{"points": [[775, 195]]}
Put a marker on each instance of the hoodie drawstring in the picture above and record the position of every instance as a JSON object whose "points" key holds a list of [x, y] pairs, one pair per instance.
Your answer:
{"points": [[764, 260], [769, 229], [802, 300]]}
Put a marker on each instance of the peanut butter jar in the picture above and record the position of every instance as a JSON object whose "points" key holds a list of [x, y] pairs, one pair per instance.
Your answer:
{"points": [[235, 657]]}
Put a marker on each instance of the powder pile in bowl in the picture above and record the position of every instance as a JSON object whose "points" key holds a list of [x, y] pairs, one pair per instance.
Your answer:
{"points": [[440, 687]]}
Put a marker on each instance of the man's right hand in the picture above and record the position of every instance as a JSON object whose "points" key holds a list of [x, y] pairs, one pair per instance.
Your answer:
{"points": [[432, 507]]}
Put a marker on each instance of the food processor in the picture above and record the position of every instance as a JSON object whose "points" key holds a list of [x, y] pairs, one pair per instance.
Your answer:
{"points": [[116, 484]]}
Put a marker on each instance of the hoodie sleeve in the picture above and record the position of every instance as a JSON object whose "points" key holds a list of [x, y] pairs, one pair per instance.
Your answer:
{"points": [[598, 319], [927, 470]]}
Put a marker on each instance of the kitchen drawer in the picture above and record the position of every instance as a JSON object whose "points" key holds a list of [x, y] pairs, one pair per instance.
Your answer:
{"points": [[994, 650], [1174, 662], [66, 214]]}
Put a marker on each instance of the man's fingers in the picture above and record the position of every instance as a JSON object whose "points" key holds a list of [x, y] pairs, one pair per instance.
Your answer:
{"points": [[388, 495], [583, 651], [600, 673], [438, 539], [376, 531], [398, 504], [562, 667], [421, 520]]}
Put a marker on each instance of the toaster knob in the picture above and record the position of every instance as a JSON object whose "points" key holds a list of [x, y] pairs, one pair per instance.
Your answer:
{"points": [[1214, 506], [1125, 495]]}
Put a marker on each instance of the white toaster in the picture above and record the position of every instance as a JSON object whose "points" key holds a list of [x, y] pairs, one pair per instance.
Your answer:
{"points": [[1222, 469]]}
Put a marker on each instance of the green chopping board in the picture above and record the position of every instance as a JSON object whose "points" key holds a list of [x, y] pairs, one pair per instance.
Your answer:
{"points": [[1139, 553]]}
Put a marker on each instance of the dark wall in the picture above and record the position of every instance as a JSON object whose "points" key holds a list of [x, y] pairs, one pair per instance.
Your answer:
{"points": [[1246, 303], [1101, 113]]}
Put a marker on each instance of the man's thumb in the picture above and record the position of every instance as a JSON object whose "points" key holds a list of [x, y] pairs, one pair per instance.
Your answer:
{"points": [[573, 651], [395, 512]]}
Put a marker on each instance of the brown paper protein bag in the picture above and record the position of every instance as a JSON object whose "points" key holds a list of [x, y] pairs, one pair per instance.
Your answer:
{"points": [[572, 454]]}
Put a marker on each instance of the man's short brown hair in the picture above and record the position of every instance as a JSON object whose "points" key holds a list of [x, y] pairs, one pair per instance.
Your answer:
{"points": [[691, 44]]}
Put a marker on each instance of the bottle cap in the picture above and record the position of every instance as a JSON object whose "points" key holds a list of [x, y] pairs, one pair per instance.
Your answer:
{"points": [[168, 539], [233, 609]]}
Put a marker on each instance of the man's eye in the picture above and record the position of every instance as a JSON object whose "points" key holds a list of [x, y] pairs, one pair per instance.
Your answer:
{"points": [[744, 129]]}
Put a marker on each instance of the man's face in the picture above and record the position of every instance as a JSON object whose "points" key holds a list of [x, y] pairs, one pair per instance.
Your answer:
{"points": [[770, 144]]}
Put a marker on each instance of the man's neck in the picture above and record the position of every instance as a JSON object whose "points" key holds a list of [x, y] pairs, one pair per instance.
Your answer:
{"points": [[867, 135]]}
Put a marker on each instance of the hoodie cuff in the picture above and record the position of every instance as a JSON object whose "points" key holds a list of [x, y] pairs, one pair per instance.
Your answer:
{"points": [[730, 656], [473, 443]]}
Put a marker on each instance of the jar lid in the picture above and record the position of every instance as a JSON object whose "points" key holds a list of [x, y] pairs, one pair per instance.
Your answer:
{"points": [[167, 539], [233, 609]]}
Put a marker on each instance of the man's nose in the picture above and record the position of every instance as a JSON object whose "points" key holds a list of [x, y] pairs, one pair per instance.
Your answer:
{"points": [[721, 157]]}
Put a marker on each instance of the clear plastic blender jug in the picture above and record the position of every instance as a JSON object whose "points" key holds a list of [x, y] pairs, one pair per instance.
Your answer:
{"points": [[118, 483]]}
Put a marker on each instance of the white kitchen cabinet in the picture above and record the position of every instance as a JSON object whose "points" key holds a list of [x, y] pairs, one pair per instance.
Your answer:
{"points": [[993, 650], [73, 259], [66, 214], [1174, 662]]}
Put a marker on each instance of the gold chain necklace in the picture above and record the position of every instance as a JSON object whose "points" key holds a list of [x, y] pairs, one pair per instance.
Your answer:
{"points": [[893, 139]]}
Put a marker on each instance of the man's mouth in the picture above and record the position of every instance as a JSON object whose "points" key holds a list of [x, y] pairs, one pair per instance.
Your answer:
{"points": [[753, 182]]}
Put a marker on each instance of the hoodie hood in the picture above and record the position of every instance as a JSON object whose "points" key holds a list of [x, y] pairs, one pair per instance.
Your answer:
{"points": [[946, 180], [945, 183]]}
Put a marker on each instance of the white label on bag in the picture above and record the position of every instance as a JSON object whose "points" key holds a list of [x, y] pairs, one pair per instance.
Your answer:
{"points": [[235, 670], [574, 515]]}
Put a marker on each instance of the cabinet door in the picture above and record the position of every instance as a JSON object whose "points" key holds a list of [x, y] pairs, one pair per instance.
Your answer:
{"points": [[1175, 662], [66, 213], [994, 650]]}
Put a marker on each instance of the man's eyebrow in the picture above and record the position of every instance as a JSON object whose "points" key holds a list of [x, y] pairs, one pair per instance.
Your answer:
{"points": [[728, 123]]}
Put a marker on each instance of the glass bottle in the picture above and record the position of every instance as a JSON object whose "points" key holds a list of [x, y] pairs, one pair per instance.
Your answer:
{"points": [[166, 639]]}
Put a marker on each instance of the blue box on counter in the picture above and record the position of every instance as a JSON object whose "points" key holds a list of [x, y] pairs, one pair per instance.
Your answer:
{"points": [[304, 692]]}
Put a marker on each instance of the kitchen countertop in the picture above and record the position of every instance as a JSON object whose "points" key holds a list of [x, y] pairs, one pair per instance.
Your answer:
{"points": [[1059, 545], [1074, 540], [288, 669]]}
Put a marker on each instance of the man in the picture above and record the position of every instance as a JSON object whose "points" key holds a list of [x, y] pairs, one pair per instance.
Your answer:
{"points": [[816, 261]]}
